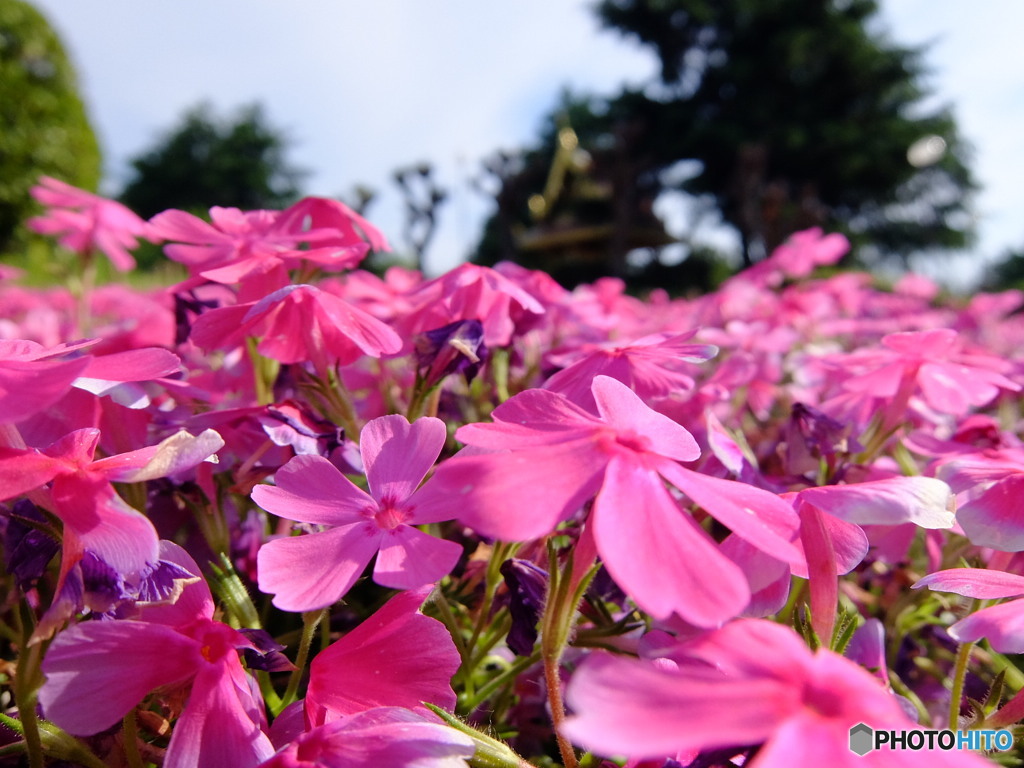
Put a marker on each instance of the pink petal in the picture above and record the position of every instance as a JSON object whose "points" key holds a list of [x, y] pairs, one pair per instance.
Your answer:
{"points": [[627, 707], [821, 567], [925, 501], [195, 601], [184, 227], [974, 582], [410, 558], [368, 333], [27, 387], [384, 737], [312, 490], [531, 418], [1002, 625], [104, 523], [222, 327], [216, 728], [22, 471], [397, 657], [626, 413], [397, 455], [522, 495], [134, 365], [174, 454], [755, 515], [809, 739], [768, 578], [993, 519], [97, 671], [314, 570], [663, 560]]}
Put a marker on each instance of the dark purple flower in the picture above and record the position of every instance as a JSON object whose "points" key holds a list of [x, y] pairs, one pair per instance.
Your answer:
{"points": [[265, 653], [813, 435], [454, 348], [28, 550], [527, 585], [289, 423], [187, 307], [162, 582]]}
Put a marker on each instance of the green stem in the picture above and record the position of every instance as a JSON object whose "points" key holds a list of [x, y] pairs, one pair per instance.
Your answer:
{"points": [[499, 371], [310, 619], [340, 402], [131, 744], [452, 625], [963, 656], [556, 626], [511, 672], [488, 751], [26, 688]]}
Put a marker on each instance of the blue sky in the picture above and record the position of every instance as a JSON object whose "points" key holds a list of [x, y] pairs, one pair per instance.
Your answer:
{"points": [[364, 88]]}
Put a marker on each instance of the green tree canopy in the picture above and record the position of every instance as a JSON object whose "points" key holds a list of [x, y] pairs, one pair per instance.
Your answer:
{"points": [[799, 112], [208, 160], [781, 115], [43, 125]]}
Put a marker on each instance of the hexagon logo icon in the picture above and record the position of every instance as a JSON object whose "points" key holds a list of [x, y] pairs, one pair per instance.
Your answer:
{"points": [[861, 739]]}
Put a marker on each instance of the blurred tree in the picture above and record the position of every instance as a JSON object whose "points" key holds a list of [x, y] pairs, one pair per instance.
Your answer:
{"points": [[207, 160], [1007, 272], [801, 112], [43, 124], [781, 114]]}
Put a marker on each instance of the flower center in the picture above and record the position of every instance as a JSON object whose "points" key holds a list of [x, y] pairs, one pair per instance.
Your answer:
{"points": [[389, 514]]}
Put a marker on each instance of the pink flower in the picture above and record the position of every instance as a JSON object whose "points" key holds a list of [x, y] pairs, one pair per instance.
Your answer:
{"points": [[87, 222], [80, 493], [544, 457], [97, 671], [989, 485], [314, 570], [336, 229], [385, 737], [249, 245], [751, 683], [950, 380], [1002, 625], [396, 658], [298, 323], [652, 366], [470, 292], [32, 378]]}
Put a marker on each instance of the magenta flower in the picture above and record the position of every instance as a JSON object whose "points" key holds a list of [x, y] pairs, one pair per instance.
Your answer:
{"points": [[751, 683], [297, 324], [544, 457], [834, 543], [1003, 624], [950, 380], [33, 378], [470, 292], [87, 222], [80, 492], [396, 658], [797, 257], [989, 485], [652, 366], [245, 245], [97, 671], [385, 737], [314, 570]]}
